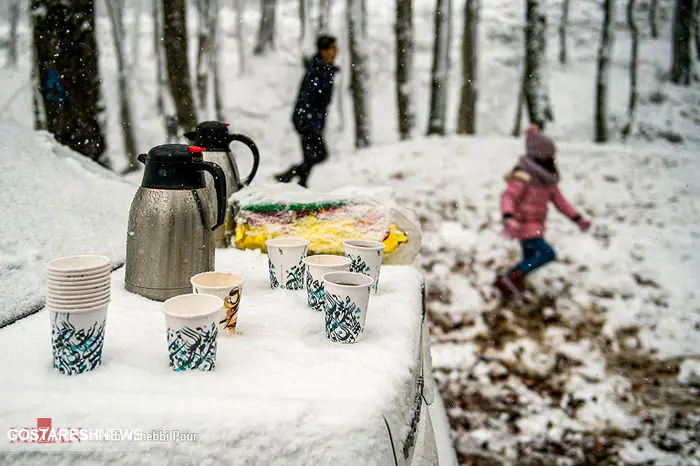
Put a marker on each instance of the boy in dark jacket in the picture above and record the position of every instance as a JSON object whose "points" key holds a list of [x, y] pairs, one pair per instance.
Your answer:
{"points": [[311, 108]]}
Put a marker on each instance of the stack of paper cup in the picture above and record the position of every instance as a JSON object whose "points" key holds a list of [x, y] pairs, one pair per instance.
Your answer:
{"points": [[77, 298]]}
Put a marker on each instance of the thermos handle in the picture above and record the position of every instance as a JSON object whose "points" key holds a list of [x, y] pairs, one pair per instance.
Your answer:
{"points": [[253, 148], [220, 184]]}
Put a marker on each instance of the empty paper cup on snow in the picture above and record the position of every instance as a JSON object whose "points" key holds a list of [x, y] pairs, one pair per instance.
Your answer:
{"points": [[192, 326], [366, 257], [316, 268], [77, 337], [346, 299], [226, 286], [285, 256], [78, 267]]}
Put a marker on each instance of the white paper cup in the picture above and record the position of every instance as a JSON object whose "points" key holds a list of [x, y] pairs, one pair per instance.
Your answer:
{"points": [[76, 306], [347, 296], [77, 338], [366, 257], [79, 281], [316, 267], [78, 276], [192, 327], [80, 263], [226, 286], [79, 294], [285, 261], [78, 290]]}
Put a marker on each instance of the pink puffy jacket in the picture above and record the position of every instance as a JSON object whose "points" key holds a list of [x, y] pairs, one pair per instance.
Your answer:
{"points": [[527, 202]]}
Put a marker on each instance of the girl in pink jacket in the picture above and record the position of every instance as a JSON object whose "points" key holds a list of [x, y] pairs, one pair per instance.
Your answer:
{"points": [[532, 184]]}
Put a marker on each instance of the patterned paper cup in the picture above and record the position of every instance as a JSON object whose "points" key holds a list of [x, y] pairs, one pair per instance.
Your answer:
{"points": [[316, 268], [285, 260], [228, 287], [77, 338], [365, 257], [192, 325], [346, 296]]}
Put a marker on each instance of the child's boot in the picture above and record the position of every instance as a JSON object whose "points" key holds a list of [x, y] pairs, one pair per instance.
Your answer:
{"points": [[511, 284]]}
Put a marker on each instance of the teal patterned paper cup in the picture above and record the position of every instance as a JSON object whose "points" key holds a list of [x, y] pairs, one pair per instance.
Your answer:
{"points": [[346, 299], [286, 262], [77, 338], [366, 257], [192, 327], [316, 267]]}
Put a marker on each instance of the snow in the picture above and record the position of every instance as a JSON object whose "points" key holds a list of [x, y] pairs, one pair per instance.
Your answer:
{"points": [[279, 378], [690, 373], [56, 203]]}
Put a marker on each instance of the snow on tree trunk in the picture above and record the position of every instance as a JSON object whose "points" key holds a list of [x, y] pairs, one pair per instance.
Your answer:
{"points": [[697, 29], [536, 86], [177, 62], [306, 38], [37, 103], [440, 69], [324, 16], [14, 11], [634, 54], [66, 51], [359, 74], [652, 19], [603, 77], [405, 45], [563, 24], [519, 108], [158, 55], [203, 51], [240, 9], [136, 39], [266, 30], [214, 59], [116, 18], [682, 56], [466, 120]]}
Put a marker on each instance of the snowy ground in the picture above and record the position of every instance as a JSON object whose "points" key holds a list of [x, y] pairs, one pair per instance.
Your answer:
{"points": [[589, 374]]}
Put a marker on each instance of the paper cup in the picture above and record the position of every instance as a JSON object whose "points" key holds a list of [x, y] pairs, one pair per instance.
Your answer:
{"points": [[77, 338], [285, 261], [78, 277], [346, 296], [365, 257], [62, 288], [79, 281], [316, 268], [79, 294], [226, 286], [75, 264], [192, 327], [73, 306]]}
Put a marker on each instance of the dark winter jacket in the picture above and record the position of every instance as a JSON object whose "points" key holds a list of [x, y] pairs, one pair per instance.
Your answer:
{"points": [[314, 96]]}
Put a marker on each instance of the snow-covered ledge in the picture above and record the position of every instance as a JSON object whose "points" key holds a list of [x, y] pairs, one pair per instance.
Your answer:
{"points": [[281, 394]]}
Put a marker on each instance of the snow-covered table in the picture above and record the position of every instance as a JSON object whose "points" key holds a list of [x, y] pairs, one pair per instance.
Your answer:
{"points": [[280, 394]]}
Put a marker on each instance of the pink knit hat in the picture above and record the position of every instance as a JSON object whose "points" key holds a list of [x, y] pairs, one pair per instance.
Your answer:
{"points": [[537, 144]]}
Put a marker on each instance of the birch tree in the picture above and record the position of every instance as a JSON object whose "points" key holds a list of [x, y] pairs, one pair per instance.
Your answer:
{"points": [[177, 62], [359, 74], [66, 55], [115, 11], [653, 26], [440, 68], [405, 45], [466, 120], [681, 52], [603, 76], [14, 11], [240, 9], [563, 24], [535, 85], [266, 29], [634, 60]]}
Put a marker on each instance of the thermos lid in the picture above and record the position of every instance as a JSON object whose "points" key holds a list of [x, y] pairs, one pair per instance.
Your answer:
{"points": [[212, 135], [174, 153], [173, 166]]}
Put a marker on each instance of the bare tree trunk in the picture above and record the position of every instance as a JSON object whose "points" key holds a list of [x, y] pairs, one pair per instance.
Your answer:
{"points": [[214, 59], [466, 121], [14, 11], [306, 38], [37, 103], [563, 24], [240, 9], [203, 52], [697, 29], [69, 75], [158, 54], [177, 62], [405, 45], [136, 38], [324, 16], [116, 19], [634, 59], [364, 18], [359, 74], [441, 66], [652, 19], [535, 85], [266, 31], [603, 77], [682, 56]]}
